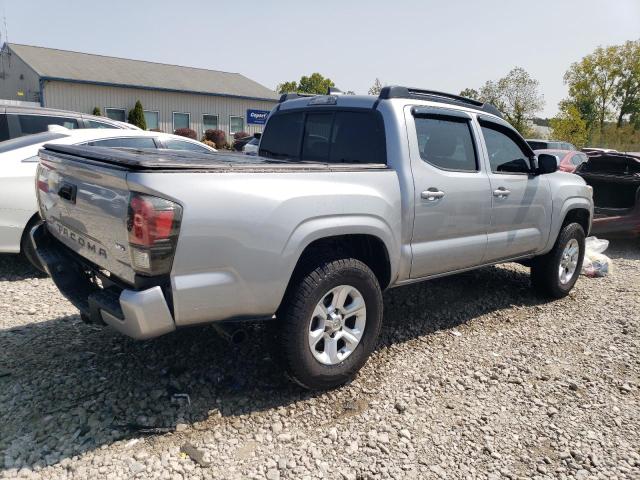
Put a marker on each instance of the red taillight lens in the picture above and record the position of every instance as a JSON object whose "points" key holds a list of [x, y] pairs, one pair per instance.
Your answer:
{"points": [[153, 226], [151, 219]]}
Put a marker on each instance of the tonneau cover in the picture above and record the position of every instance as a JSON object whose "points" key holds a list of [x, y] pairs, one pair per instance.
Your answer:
{"points": [[154, 159]]}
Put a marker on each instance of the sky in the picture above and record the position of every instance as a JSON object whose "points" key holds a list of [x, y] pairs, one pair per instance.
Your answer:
{"points": [[443, 45]]}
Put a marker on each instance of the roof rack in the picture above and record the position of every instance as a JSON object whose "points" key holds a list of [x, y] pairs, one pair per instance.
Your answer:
{"points": [[436, 96]]}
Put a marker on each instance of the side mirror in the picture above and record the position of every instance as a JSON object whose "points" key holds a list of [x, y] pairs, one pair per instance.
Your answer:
{"points": [[547, 163], [257, 135]]}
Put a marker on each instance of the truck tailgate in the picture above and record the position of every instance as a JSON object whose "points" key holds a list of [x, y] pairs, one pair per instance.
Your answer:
{"points": [[85, 206]]}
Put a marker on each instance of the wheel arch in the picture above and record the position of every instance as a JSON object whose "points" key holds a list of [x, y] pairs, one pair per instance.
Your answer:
{"points": [[366, 247]]}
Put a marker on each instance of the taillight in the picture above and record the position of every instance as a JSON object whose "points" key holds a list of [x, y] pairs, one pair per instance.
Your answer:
{"points": [[153, 224]]}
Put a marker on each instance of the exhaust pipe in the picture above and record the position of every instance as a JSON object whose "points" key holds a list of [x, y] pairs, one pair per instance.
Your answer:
{"points": [[231, 333]]}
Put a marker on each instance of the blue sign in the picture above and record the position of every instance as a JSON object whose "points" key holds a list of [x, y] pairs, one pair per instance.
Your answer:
{"points": [[257, 117]]}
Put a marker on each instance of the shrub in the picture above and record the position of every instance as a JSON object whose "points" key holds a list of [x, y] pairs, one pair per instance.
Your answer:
{"points": [[97, 112], [239, 135], [136, 116], [210, 143], [186, 132], [216, 136]]}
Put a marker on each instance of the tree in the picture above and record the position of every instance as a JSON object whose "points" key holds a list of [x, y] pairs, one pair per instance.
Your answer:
{"points": [[569, 125], [516, 95], [314, 83], [593, 83], [97, 112], [376, 87], [627, 91], [287, 87], [136, 116], [470, 93]]}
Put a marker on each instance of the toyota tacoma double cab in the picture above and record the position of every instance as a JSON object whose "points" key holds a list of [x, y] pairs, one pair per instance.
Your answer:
{"points": [[348, 196]]}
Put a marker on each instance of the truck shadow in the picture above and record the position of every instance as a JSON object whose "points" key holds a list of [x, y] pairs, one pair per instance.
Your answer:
{"points": [[67, 388]]}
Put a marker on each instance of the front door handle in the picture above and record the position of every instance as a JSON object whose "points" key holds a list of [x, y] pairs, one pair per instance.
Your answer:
{"points": [[501, 192], [432, 194]]}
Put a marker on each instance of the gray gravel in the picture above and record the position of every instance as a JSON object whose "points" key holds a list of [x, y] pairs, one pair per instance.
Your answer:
{"points": [[474, 377]]}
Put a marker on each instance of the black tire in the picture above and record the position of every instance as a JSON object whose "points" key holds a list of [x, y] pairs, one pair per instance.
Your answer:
{"points": [[27, 249], [545, 277], [295, 317]]}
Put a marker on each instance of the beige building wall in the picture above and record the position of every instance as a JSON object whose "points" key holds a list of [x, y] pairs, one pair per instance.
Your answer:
{"points": [[18, 81], [81, 97]]}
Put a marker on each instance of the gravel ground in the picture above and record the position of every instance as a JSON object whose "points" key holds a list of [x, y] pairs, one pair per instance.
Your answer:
{"points": [[474, 377]]}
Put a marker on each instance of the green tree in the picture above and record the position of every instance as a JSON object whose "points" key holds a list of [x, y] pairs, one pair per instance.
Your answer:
{"points": [[136, 116], [376, 87], [592, 85], [627, 90], [470, 93], [287, 87], [97, 112], [314, 83], [516, 95], [569, 125]]}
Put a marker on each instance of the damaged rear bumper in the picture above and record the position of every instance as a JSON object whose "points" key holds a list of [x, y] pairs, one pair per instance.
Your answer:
{"points": [[140, 314]]}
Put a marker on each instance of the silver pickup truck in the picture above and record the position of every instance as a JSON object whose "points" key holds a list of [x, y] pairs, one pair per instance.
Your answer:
{"points": [[348, 196]]}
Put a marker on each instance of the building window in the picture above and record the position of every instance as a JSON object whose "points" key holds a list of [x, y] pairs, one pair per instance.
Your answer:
{"points": [[151, 118], [118, 114], [181, 120], [236, 124], [209, 122]]}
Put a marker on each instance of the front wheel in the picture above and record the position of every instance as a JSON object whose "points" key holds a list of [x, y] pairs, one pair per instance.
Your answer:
{"points": [[555, 273], [330, 323]]}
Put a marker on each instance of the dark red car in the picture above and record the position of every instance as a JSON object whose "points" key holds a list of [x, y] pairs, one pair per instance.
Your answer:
{"points": [[615, 179], [569, 159]]}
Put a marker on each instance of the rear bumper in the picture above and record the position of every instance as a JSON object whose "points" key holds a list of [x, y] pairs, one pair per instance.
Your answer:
{"points": [[140, 314]]}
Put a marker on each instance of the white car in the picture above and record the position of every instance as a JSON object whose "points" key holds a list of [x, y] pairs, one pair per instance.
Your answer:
{"points": [[19, 160], [251, 147]]}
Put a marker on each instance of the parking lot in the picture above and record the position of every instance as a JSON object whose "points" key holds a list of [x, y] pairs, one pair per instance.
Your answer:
{"points": [[474, 377]]}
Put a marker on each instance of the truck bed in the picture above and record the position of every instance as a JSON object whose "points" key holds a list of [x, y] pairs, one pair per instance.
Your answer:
{"points": [[172, 160]]}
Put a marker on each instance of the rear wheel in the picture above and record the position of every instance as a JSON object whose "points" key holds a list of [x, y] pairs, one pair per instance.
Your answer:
{"points": [[555, 273], [329, 323]]}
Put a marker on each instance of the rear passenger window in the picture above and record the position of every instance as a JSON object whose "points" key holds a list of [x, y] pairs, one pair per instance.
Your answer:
{"points": [[328, 136], [357, 138], [95, 124], [30, 124], [281, 138], [446, 143], [129, 142]]}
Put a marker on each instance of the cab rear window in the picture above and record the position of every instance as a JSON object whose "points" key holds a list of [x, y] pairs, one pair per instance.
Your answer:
{"points": [[341, 136]]}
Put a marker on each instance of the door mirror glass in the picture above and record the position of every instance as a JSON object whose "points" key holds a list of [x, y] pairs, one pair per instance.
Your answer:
{"points": [[547, 163]]}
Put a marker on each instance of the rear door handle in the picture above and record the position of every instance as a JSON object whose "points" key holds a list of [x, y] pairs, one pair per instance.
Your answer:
{"points": [[432, 194], [501, 192]]}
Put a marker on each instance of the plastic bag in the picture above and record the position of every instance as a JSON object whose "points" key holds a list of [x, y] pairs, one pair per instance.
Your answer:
{"points": [[596, 264]]}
